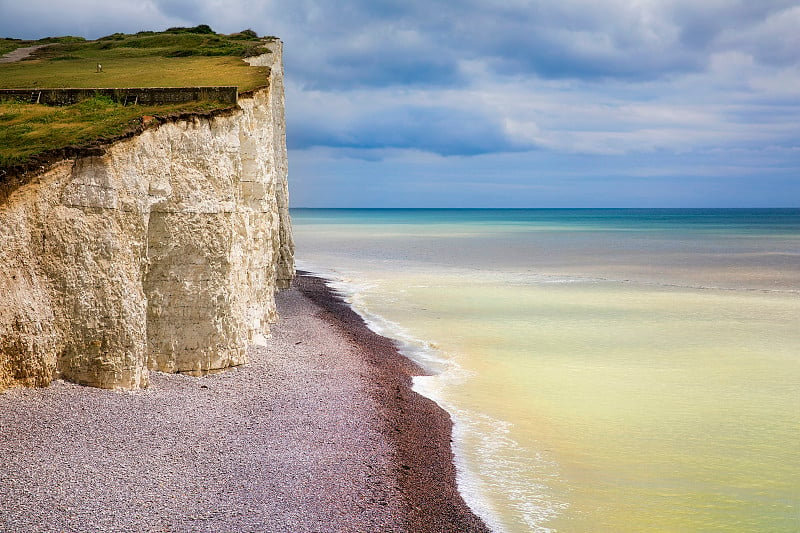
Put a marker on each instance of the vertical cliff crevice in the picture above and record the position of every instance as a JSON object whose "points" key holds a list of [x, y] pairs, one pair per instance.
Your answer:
{"points": [[277, 111], [161, 252]]}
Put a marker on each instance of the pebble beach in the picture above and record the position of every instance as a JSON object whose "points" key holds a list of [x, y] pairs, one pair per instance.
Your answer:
{"points": [[319, 432]]}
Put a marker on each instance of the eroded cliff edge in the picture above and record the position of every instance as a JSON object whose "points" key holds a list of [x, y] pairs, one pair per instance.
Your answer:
{"points": [[160, 251]]}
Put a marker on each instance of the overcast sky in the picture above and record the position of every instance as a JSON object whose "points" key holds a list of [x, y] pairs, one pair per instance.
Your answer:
{"points": [[510, 103]]}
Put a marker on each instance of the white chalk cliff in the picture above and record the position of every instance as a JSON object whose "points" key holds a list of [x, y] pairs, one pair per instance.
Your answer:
{"points": [[159, 252]]}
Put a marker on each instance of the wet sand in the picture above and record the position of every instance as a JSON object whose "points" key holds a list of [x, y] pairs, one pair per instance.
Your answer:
{"points": [[319, 432]]}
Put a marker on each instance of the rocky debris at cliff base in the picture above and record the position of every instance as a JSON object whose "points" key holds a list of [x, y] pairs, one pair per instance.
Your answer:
{"points": [[295, 441]]}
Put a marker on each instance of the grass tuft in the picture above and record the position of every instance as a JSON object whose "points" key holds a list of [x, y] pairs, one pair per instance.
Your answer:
{"points": [[27, 130]]}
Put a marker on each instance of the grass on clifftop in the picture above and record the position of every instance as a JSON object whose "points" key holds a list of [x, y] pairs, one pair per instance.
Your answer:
{"points": [[144, 71], [178, 57], [27, 130]]}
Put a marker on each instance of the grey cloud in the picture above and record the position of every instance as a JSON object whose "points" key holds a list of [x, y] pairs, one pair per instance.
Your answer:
{"points": [[433, 129], [180, 8], [363, 43], [774, 41], [701, 23], [625, 40], [382, 66]]}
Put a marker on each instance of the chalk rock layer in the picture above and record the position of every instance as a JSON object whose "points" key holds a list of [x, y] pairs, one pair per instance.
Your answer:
{"points": [[162, 251]]}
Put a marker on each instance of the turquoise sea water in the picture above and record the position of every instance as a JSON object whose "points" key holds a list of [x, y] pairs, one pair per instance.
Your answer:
{"points": [[607, 370]]}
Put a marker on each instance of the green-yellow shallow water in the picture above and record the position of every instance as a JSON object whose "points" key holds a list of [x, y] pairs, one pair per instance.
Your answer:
{"points": [[584, 402]]}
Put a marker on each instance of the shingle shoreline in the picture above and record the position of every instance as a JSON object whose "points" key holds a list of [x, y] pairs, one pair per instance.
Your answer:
{"points": [[320, 432]]}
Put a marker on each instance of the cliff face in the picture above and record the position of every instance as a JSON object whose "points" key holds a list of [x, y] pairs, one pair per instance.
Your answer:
{"points": [[162, 251]]}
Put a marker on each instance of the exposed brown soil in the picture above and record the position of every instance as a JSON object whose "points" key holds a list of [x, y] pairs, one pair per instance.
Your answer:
{"points": [[20, 53]]}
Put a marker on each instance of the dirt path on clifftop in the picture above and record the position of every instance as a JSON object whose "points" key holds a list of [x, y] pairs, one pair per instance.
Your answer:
{"points": [[316, 434], [19, 54]]}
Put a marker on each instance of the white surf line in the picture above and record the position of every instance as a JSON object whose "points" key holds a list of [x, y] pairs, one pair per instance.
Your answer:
{"points": [[468, 482]]}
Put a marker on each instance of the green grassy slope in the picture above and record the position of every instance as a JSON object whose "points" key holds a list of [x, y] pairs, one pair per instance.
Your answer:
{"points": [[179, 57]]}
